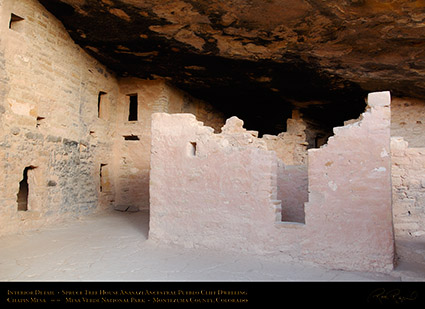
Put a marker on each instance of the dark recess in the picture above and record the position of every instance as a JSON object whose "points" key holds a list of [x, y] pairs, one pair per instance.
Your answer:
{"points": [[262, 93]]}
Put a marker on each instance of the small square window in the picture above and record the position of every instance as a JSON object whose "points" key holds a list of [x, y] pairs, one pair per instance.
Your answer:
{"points": [[16, 23]]}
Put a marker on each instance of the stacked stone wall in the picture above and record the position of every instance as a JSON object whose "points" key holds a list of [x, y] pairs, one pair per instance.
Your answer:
{"points": [[408, 166], [408, 181], [49, 91]]}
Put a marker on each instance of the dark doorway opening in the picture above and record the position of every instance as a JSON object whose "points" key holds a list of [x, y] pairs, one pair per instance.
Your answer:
{"points": [[24, 190]]}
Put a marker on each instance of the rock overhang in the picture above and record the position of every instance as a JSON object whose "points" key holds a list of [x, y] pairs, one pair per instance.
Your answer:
{"points": [[271, 55]]}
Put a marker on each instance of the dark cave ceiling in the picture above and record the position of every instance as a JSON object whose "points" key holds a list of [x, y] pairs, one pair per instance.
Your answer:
{"points": [[260, 58]]}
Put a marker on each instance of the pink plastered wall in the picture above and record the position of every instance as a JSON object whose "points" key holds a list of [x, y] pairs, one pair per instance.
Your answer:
{"points": [[349, 214], [206, 190], [217, 195]]}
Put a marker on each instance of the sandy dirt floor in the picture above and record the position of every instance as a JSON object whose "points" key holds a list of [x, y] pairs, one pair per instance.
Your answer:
{"points": [[114, 247]]}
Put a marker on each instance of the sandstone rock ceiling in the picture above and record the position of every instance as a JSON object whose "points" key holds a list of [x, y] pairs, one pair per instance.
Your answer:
{"points": [[259, 58]]}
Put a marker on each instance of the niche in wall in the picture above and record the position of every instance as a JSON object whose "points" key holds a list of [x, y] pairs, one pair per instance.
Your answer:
{"points": [[16, 23], [192, 149], [40, 121], [131, 138]]}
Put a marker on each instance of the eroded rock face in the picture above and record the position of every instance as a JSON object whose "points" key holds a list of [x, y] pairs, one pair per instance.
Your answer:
{"points": [[272, 51]]}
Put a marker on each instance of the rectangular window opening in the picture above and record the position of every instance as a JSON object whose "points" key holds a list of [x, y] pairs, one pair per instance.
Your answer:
{"points": [[100, 104], [131, 138], [133, 107], [15, 23]]}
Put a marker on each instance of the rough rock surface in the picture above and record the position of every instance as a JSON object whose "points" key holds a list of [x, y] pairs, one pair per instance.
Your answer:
{"points": [[408, 167], [273, 52]]}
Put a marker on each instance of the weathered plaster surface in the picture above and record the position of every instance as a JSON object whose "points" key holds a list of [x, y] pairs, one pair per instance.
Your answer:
{"points": [[224, 195], [350, 191]]}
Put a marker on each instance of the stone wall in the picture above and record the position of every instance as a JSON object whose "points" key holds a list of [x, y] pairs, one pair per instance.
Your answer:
{"points": [[350, 191], [292, 177], [290, 146], [408, 166], [408, 120], [218, 193], [132, 156], [408, 180], [67, 147], [49, 93]]}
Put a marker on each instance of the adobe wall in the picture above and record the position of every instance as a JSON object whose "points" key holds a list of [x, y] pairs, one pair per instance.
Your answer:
{"points": [[218, 193], [350, 191], [48, 106], [131, 161]]}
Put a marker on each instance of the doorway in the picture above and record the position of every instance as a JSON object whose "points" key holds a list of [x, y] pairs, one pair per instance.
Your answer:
{"points": [[24, 189]]}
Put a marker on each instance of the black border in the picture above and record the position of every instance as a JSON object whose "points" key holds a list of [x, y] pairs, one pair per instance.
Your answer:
{"points": [[144, 293]]}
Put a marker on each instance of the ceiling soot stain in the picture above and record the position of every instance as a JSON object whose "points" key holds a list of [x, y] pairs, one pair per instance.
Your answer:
{"points": [[260, 59]]}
